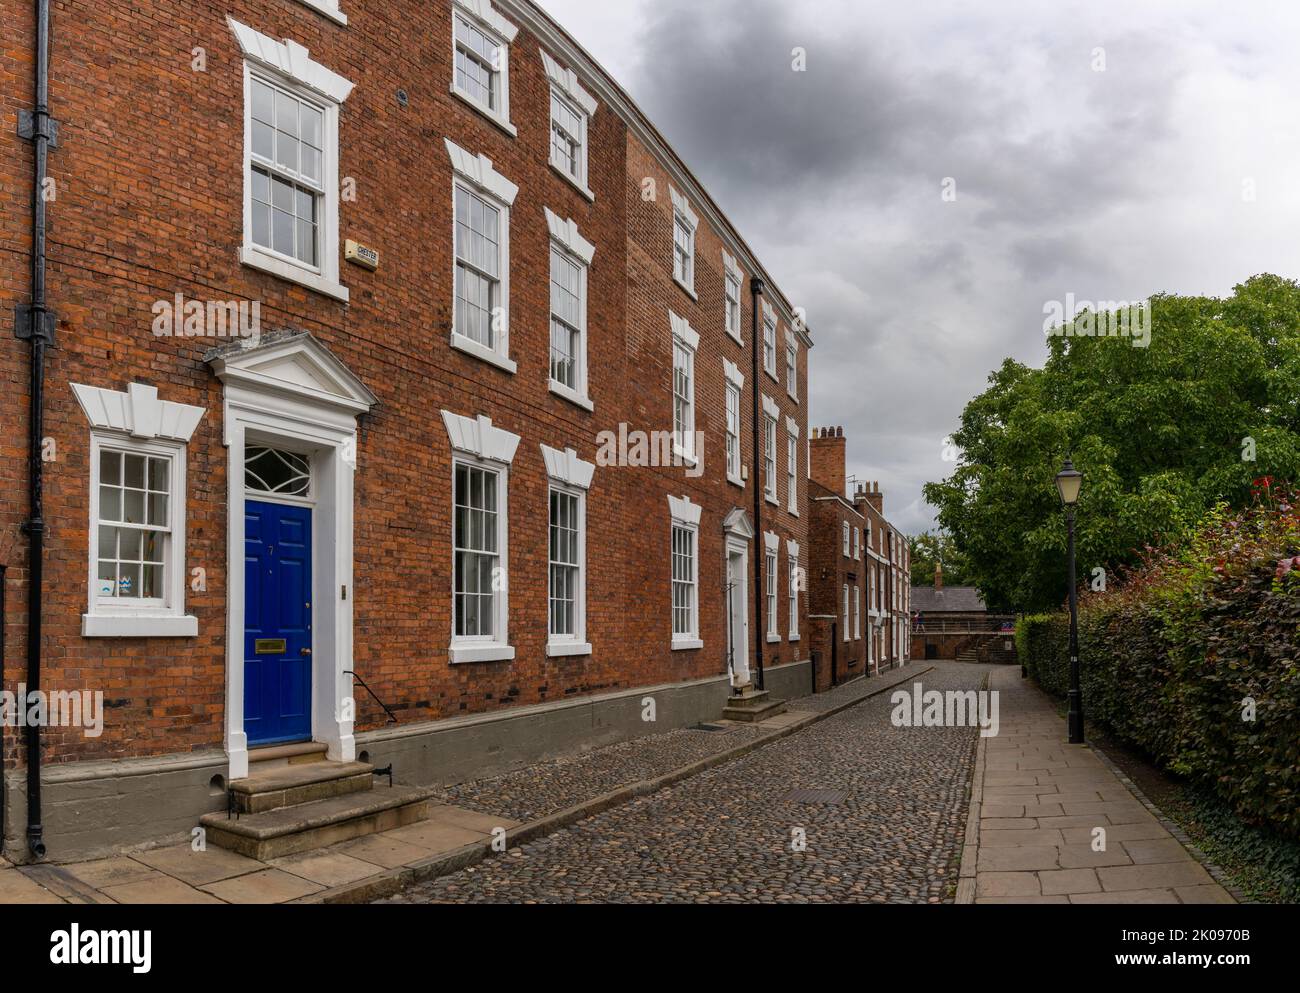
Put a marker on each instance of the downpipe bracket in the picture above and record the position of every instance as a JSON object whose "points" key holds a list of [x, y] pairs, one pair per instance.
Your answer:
{"points": [[33, 125], [28, 324]]}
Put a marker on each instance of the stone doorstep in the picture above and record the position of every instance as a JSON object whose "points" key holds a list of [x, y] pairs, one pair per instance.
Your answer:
{"points": [[753, 709], [291, 830], [287, 785]]}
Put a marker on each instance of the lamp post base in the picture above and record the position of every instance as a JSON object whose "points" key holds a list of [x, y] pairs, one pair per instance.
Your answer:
{"points": [[1074, 719]]}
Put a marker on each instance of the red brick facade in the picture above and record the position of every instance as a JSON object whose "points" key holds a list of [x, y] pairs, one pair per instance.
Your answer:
{"points": [[150, 181], [855, 550]]}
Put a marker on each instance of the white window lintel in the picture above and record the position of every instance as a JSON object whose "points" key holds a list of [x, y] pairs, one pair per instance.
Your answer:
{"points": [[565, 467], [733, 374], [480, 438], [683, 331], [566, 80], [478, 170], [564, 231], [485, 12], [290, 59], [683, 511]]}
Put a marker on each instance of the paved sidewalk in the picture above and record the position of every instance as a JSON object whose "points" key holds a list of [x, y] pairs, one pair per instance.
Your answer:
{"points": [[528, 802], [1051, 823]]}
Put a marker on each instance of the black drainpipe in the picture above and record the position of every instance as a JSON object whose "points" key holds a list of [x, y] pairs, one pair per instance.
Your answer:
{"points": [[760, 632], [35, 323]]}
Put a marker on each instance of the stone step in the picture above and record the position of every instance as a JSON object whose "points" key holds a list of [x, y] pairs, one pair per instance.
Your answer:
{"points": [[752, 714], [299, 753], [749, 699], [290, 830], [272, 787]]}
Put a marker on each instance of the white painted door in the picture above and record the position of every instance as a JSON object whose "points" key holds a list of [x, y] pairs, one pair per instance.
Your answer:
{"points": [[737, 633]]}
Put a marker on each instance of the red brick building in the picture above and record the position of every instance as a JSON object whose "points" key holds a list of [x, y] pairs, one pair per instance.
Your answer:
{"points": [[858, 571], [396, 352]]}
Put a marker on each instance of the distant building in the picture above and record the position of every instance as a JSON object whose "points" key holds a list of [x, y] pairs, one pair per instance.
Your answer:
{"points": [[953, 622], [858, 562]]}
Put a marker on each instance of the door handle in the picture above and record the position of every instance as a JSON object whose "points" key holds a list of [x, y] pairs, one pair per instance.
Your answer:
{"points": [[304, 651]]}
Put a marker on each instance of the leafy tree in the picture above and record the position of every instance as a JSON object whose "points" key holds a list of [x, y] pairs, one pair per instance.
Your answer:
{"points": [[1160, 433], [932, 547]]}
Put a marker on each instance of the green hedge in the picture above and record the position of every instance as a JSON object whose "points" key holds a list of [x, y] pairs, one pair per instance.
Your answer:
{"points": [[1168, 659]]}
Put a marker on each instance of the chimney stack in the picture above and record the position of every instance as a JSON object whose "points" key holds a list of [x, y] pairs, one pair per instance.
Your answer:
{"points": [[938, 575], [874, 497], [827, 460]]}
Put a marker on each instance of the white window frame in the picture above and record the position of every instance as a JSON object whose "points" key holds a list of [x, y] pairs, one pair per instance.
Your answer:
{"points": [[144, 613], [792, 466], [771, 575], [685, 516], [483, 16], [845, 624], [566, 88], [857, 613], [732, 306], [475, 442], [683, 215], [769, 340], [475, 174], [771, 458], [791, 366], [287, 65], [857, 547], [735, 388], [329, 8], [137, 422], [687, 339], [570, 475], [792, 552], [566, 239], [844, 526]]}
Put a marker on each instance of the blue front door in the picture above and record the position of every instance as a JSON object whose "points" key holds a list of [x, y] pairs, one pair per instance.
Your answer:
{"points": [[277, 623]]}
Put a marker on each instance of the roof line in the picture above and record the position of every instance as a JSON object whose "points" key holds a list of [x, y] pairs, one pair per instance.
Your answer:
{"points": [[611, 91]]}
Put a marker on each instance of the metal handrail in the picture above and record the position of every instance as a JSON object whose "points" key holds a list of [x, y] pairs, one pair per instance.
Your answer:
{"points": [[392, 718]]}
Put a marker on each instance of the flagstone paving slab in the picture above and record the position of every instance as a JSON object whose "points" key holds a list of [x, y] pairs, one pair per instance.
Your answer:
{"points": [[164, 890], [266, 886], [1041, 841], [17, 888]]}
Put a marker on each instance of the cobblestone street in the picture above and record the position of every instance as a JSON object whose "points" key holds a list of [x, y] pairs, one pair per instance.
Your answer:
{"points": [[887, 827]]}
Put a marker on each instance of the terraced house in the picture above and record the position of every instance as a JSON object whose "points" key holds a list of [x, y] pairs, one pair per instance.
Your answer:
{"points": [[387, 393], [859, 571]]}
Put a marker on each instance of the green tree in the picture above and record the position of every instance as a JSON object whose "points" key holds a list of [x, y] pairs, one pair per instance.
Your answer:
{"points": [[1161, 434], [931, 547]]}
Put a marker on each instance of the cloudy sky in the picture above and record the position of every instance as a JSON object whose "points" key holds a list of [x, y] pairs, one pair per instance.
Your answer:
{"points": [[1106, 149]]}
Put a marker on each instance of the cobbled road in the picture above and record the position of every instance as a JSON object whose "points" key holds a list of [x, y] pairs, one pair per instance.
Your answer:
{"points": [[731, 835]]}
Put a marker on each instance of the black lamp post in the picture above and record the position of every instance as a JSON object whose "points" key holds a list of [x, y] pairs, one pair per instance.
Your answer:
{"points": [[1068, 483]]}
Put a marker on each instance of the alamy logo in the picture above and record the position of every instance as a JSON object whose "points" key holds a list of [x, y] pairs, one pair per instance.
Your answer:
{"points": [[653, 448], [1073, 318], [946, 709], [55, 709], [78, 947], [181, 318]]}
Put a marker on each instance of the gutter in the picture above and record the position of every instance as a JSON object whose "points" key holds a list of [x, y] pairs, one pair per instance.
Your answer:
{"points": [[35, 323]]}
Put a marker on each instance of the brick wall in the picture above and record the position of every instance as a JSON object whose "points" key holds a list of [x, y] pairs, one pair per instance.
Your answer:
{"points": [[150, 185]]}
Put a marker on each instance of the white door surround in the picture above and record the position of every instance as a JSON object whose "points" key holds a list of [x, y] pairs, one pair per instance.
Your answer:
{"points": [[739, 535], [289, 391]]}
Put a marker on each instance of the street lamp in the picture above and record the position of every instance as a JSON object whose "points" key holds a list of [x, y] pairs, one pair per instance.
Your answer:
{"points": [[1068, 483]]}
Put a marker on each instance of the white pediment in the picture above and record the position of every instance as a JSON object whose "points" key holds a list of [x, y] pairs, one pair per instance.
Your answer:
{"points": [[294, 365], [738, 523]]}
